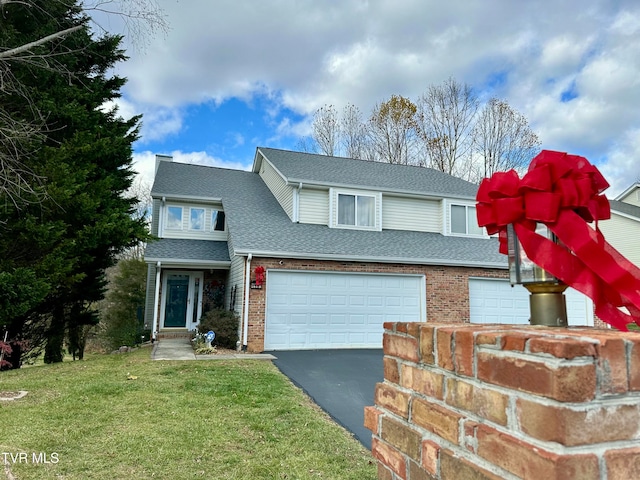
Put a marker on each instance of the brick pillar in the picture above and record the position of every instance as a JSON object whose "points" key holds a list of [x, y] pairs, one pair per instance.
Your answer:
{"points": [[483, 402]]}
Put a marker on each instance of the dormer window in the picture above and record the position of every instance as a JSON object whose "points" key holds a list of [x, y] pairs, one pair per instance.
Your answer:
{"points": [[174, 218], [217, 221], [463, 221], [355, 209], [196, 219]]}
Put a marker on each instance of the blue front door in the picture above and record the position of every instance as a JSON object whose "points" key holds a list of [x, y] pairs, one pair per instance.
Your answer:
{"points": [[177, 297]]}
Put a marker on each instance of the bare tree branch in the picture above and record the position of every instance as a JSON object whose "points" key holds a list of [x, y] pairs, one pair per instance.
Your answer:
{"points": [[354, 133], [326, 130], [18, 136], [393, 131], [502, 138], [14, 52], [445, 119]]}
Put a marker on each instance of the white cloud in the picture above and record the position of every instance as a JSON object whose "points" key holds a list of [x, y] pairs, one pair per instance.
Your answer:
{"points": [[572, 68], [623, 168], [144, 163]]}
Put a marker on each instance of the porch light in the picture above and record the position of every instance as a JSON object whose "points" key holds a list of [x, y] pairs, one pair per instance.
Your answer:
{"points": [[547, 301]]}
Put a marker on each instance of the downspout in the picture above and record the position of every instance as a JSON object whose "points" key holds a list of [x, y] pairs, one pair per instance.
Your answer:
{"points": [[156, 299], [296, 203], [245, 312]]}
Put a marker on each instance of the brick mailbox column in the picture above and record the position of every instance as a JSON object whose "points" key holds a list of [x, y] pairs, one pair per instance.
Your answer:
{"points": [[483, 402]]}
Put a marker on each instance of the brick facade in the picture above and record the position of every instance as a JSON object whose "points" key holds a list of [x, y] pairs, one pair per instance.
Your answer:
{"points": [[447, 288], [506, 402]]}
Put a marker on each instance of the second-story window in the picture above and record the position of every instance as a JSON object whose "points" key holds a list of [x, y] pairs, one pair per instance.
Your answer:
{"points": [[463, 220], [356, 210], [174, 218], [217, 221], [196, 219]]}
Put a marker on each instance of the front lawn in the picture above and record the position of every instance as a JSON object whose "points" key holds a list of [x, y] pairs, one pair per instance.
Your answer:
{"points": [[124, 416]]}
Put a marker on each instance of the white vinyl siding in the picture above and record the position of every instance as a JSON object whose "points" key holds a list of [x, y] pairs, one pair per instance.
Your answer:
{"points": [[623, 234], [279, 188], [314, 206], [191, 211], [414, 214], [632, 198]]}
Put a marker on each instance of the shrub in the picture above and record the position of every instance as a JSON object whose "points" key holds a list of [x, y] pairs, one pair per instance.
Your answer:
{"points": [[224, 323]]}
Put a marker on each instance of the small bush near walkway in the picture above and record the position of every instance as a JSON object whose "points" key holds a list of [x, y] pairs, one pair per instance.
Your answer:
{"points": [[224, 323]]}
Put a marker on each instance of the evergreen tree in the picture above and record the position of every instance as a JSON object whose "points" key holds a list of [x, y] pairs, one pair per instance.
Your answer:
{"points": [[63, 236]]}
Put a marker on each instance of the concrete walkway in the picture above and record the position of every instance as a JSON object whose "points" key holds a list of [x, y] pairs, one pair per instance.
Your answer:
{"points": [[181, 349]]}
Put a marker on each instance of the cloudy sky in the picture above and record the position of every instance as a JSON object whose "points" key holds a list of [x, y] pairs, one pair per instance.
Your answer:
{"points": [[231, 75]]}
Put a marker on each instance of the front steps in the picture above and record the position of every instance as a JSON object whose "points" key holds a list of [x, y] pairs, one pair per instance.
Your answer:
{"points": [[175, 333]]}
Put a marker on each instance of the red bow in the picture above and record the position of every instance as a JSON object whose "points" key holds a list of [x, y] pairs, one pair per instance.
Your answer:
{"points": [[564, 192]]}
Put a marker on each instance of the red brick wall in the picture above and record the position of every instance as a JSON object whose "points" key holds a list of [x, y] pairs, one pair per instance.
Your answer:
{"points": [[492, 402], [447, 288]]}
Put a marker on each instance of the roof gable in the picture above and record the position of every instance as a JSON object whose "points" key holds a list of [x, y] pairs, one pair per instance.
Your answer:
{"points": [[623, 196], [308, 168]]}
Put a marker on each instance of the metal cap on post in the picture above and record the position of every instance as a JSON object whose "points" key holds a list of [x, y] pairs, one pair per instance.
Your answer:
{"points": [[547, 301]]}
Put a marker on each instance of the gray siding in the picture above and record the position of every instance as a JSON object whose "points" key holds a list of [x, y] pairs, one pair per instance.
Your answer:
{"points": [[236, 277], [151, 292], [419, 215], [314, 206], [279, 188], [155, 216]]}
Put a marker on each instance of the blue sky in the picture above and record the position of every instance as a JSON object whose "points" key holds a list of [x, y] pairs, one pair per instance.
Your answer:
{"points": [[232, 75]]}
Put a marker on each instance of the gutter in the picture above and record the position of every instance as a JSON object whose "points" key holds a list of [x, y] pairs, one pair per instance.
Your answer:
{"points": [[245, 310], [294, 182], [402, 260]]}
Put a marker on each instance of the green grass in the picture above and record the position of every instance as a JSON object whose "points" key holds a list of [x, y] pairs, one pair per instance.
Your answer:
{"points": [[177, 420]]}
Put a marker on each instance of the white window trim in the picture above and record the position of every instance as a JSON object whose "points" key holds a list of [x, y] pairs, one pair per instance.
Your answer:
{"points": [[166, 218], [447, 219], [204, 219], [333, 210], [211, 227]]}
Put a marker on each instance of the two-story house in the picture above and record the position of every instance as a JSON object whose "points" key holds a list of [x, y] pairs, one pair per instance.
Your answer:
{"points": [[317, 252], [622, 230]]}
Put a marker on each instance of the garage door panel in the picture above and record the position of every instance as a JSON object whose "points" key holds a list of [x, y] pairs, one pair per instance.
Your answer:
{"points": [[375, 301], [356, 300], [319, 300], [338, 300], [309, 310], [496, 301]]}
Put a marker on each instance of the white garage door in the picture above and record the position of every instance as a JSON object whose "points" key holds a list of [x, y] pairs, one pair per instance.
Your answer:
{"points": [[495, 301], [319, 310]]}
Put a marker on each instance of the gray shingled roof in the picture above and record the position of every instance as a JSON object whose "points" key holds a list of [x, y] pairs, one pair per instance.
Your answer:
{"points": [[178, 249], [625, 208], [347, 172], [257, 224]]}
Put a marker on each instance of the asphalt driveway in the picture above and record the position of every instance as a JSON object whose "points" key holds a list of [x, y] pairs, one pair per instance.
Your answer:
{"points": [[341, 382]]}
